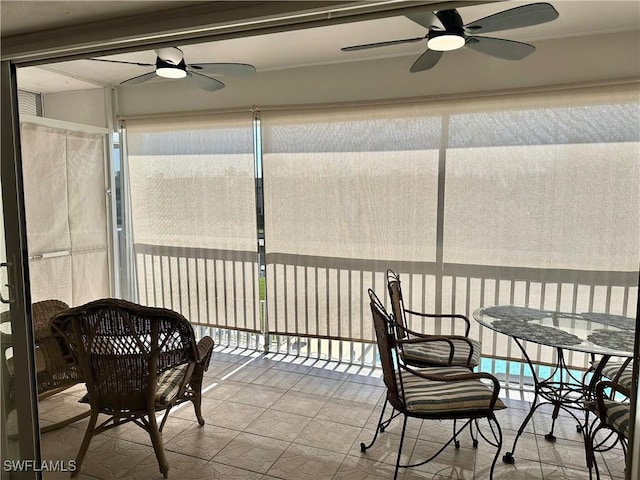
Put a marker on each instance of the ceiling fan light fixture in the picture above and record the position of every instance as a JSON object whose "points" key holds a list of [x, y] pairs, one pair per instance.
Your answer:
{"points": [[168, 70], [445, 41]]}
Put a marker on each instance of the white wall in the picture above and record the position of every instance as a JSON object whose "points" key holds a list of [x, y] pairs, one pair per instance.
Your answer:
{"points": [[86, 107], [562, 61]]}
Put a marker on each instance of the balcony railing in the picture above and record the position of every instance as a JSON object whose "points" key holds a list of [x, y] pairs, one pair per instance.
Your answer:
{"points": [[317, 307]]}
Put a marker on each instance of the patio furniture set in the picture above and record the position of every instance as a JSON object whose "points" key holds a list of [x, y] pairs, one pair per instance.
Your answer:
{"points": [[137, 361], [432, 376]]}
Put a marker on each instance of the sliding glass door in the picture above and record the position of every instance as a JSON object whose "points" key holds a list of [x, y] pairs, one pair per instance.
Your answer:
{"points": [[20, 450]]}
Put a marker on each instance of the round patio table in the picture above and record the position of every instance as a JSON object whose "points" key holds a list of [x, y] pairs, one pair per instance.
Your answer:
{"points": [[600, 334]]}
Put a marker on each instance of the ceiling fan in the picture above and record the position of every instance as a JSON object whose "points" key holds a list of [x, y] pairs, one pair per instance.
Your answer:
{"points": [[447, 31], [170, 64]]}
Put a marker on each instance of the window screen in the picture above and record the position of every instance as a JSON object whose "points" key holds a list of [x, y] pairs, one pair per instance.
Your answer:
{"points": [[193, 214], [348, 192]]}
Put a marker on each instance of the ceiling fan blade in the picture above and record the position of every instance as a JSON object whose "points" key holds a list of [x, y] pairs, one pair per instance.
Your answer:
{"points": [[122, 61], [381, 44], [501, 48], [204, 82], [426, 61], [426, 19], [518, 17], [236, 69], [139, 79]]}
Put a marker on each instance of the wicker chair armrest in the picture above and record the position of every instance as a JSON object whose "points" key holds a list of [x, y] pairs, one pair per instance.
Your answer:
{"points": [[205, 349], [454, 316]]}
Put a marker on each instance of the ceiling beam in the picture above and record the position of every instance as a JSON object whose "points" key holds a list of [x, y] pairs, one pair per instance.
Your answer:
{"points": [[198, 23]]}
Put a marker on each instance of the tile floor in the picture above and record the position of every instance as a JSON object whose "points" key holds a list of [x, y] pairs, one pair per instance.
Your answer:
{"points": [[279, 417]]}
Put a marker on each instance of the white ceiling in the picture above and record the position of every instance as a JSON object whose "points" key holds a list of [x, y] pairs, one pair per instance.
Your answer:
{"points": [[311, 46], [22, 17]]}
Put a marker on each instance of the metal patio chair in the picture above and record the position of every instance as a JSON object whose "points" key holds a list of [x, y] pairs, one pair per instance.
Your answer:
{"points": [[441, 350], [611, 407], [433, 350], [432, 393]]}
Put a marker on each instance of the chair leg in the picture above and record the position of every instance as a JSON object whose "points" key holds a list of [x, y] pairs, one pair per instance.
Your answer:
{"points": [[474, 438], [379, 429], [196, 399], [84, 446], [498, 437], [404, 427], [590, 439], [456, 442], [197, 406], [158, 447]]}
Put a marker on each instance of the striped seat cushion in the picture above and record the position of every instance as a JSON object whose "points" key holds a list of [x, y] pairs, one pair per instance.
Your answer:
{"points": [[169, 384], [612, 369], [437, 353], [434, 397], [617, 416]]}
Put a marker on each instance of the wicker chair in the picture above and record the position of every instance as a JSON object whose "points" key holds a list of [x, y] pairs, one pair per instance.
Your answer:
{"points": [[55, 370], [439, 350], [432, 393], [136, 361], [612, 410]]}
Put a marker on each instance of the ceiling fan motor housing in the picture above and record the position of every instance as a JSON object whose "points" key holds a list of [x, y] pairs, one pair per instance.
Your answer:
{"points": [[452, 37]]}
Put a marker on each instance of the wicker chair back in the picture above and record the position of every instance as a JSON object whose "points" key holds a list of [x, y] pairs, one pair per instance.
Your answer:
{"points": [[122, 348], [59, 371]]}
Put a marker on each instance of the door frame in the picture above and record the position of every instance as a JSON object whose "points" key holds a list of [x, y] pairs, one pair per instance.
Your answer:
{"points": [[18, 295]]}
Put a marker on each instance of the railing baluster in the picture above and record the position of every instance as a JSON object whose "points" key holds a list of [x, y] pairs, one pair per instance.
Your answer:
{"points": [[339, 312], [179, 284], [328, 306], [206, 291], [170, 262], [197, 274], [225, 295]]}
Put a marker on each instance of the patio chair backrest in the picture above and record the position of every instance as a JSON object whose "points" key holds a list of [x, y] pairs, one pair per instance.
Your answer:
{"points": [[397, 303], [122, 347], [59, 370], [385, 339], [55, 369]]}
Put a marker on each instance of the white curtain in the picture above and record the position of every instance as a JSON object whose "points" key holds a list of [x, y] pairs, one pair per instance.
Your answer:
{"points": [[546, 181], [548, 184], [346, 190], [193, 207], [540, 182], [66, 213]]}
